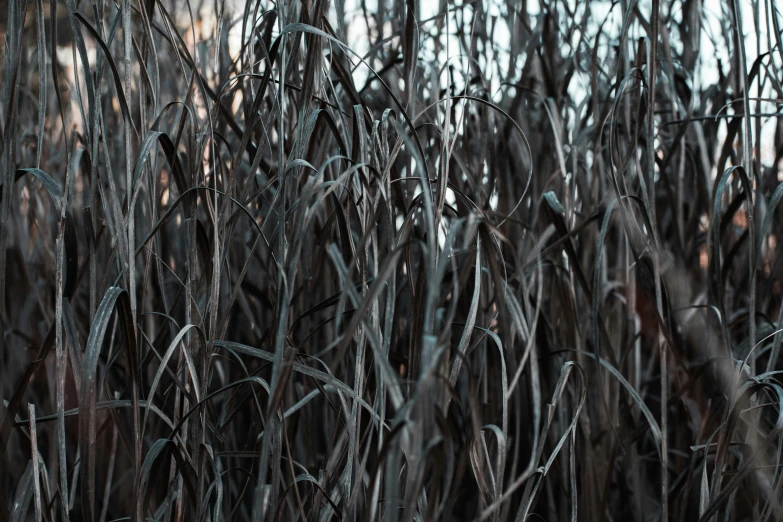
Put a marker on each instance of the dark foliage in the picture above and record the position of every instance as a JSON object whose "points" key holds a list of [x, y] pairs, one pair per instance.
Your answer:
{"points": [[391, 260]]}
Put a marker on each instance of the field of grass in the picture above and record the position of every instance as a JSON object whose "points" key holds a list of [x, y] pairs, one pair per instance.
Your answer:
{"points": [[391, 260]]}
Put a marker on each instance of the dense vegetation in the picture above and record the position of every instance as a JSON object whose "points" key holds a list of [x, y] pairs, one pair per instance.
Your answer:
{"points": [[391, 260]]}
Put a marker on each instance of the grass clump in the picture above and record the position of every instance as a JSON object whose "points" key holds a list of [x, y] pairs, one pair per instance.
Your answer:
{"points": [[391, 261]]}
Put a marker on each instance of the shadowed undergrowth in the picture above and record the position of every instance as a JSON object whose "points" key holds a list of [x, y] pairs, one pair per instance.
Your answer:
{"points": [[391, 261]]}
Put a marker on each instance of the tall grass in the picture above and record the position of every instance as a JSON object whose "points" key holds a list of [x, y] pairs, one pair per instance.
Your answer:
{"points": [[391, 261]]}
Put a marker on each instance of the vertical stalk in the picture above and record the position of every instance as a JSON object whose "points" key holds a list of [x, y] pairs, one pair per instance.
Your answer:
{"points": [[652, 66]]}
